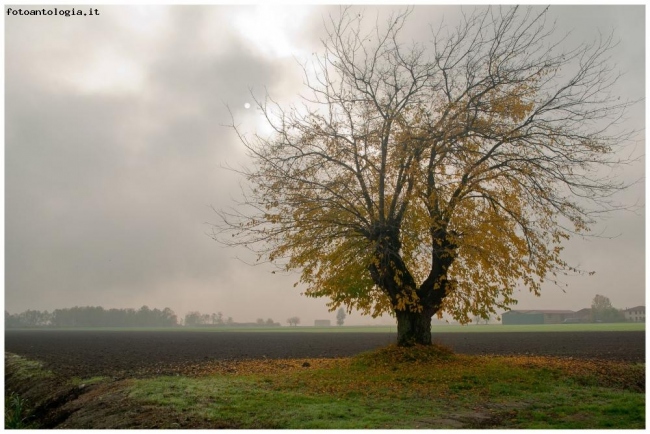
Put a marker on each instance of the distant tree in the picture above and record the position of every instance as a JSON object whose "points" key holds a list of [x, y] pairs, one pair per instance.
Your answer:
{"points": [[602, 310], [193, 319], [8, 319], [144, 316], [46, 319], [32, 318], [230, 321], [169, 317], [12, 321], [130, 317], [600, 303], [93, 316], [293, 321], [269, 322], [58, 318], [340, 316], [155, 318], [260, 321], [217, 318], [114, 317]]}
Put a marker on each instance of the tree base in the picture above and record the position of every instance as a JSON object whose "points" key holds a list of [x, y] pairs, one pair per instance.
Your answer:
{"points": [[413, 328]]}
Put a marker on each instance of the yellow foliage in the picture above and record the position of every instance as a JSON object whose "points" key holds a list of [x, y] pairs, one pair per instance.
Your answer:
{"points": [[324, 208]]}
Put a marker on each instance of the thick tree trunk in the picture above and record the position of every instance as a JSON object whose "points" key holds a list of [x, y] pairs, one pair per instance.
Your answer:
{"points": [[413, 328]]}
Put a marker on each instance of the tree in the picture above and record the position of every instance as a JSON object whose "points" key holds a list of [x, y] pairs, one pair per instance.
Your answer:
{"points": [[602, 310], [193, 319], [169, 318], [34, 318], [600, 304], [217, 318], [260, 321], [293, 321], [12, 321], [269, 322], [423, 179], [340, 316]]}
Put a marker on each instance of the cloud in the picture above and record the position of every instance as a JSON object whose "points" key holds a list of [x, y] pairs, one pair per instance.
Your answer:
{"points": [[115, 139], [108, 191]]}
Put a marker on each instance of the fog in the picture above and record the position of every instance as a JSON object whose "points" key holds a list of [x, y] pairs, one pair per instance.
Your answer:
{"points": [[115, 148]]}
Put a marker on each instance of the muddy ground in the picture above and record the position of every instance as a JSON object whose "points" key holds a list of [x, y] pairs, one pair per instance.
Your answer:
{"points": [[124, 354]]}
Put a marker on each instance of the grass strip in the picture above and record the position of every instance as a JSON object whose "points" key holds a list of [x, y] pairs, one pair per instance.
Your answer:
{"points": [[419, 387]]}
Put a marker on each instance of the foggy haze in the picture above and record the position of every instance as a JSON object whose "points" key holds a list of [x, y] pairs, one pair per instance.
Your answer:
{"points": [[115, 147]]}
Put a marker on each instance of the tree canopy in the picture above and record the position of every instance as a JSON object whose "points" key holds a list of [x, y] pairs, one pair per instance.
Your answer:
{"points": [[419, 179], [602, 310]]}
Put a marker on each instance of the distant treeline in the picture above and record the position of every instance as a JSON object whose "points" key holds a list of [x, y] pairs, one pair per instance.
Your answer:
{"points": [[93, 316], [198, 319], [97, 316]]}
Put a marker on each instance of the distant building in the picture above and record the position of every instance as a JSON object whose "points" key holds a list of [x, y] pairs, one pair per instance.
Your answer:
{"points": [[539, 316], [322, 323], [584, 315], [635, 314]]}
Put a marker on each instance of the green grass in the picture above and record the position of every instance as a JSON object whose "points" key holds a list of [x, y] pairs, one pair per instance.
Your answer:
{"points": [[254, 403], [410, 388], [260, 402], [384, 329], [26, 370], [30, 373], [16, 412], [597, 408], [76, 381]]}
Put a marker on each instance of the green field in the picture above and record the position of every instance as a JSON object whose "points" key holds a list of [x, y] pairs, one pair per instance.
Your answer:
{"points": [[603, 327]]}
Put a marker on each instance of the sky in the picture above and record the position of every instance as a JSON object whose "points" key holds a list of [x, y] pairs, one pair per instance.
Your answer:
{"points": [[116, 145]]}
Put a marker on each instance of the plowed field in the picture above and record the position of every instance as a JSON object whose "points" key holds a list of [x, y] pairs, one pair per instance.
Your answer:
{"points": [[133, 353]]}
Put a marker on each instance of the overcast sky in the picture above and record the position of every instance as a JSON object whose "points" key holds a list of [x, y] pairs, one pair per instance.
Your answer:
{"points": [[114, 142]]}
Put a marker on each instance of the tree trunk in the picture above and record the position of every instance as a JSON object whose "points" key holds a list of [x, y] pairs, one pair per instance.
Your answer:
{"points": [[413, 328]]}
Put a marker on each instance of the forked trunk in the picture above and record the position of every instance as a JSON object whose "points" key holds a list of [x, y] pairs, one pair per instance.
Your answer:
{"points": [[413, 328]]}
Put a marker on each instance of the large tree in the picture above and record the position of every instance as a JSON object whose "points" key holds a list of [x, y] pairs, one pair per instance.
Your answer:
{"points": [[419, 179]]}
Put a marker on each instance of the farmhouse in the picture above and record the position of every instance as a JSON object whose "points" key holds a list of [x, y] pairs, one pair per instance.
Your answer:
{"points": [[538, 316], [635, 314], [322, 323], [584, 315]]}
